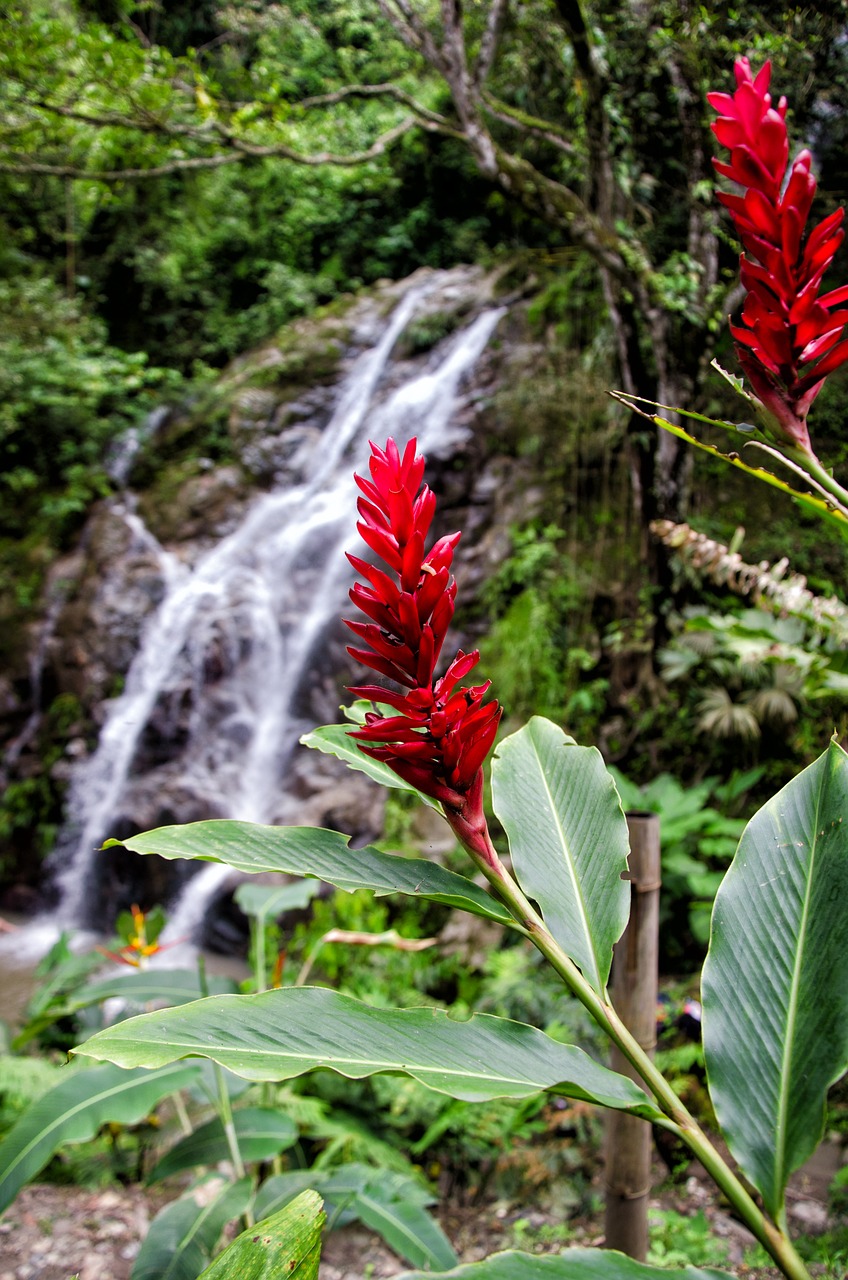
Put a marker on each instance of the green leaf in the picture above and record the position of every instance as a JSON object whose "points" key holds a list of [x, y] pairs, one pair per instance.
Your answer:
{"points": [[262, 900], [338, 1185], [335, 740], [262, 1133], [286, 1246], [571, 1264], [74, 1110], [407, 1228], [183, 1235], [390, 1204], [568, 840], [280, 1034], [314, 851], [775, 983]]}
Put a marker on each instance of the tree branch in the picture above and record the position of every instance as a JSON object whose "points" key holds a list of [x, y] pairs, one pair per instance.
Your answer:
{"points": [[597, 126], [491, 38], [374, 91], [241, 151], [412, 30], [533, 126]]}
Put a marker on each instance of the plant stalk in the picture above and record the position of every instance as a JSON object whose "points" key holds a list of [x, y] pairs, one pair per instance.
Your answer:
{"points": [[810, 463], [224, 1108], [680, 1121]]}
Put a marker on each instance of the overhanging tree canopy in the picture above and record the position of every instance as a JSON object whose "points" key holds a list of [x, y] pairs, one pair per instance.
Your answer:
{"points": [[589, 116]]}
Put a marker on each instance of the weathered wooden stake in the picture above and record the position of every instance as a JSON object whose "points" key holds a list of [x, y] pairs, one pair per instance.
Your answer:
{"points": [[634, 994]]}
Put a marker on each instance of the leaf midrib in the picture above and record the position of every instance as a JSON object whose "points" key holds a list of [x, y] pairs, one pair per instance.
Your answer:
{"points": [[578, 891], [782, 1123]]}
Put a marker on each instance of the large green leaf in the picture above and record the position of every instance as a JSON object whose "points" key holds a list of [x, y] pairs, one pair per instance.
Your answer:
{"points": [[261, 1133], [314, 851], [571, 1264], [280, 1034], [183, 1235], [775, 984], [568, 840], [286, 1246], [75, 1109]]}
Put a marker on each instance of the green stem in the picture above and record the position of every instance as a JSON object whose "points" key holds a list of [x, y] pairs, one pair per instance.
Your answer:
{"points": [[810, 463], [225, 1110], [680, 1120], [257, 924]]}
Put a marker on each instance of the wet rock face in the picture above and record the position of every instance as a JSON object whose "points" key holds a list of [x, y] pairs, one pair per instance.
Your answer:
{"points": [[116, 582], [199, 730]]}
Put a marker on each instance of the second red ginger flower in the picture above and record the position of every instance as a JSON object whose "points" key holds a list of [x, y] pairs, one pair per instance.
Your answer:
{"points": [[443, 731], [790, 338]]}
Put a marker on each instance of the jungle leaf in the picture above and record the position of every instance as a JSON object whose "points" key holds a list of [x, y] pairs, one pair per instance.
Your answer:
{"points": [[571, 1264], [286, 1246], [314, 851], [276, 1035], [261, 1132], [183, 1235], [775, 983], [74, 1110], [568, 840], [335, 740]]}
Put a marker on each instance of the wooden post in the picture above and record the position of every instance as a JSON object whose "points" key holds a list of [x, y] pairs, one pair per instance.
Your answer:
{"points": [[634, 994]]}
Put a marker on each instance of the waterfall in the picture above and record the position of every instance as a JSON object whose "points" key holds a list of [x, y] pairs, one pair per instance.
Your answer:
{"points": [[255, 607]]}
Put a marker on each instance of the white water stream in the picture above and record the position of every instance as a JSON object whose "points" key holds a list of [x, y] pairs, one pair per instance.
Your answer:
{"points": [[259, 602]]}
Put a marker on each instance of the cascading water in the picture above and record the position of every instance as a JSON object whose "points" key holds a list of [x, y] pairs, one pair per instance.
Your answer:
{"points": [[253, 611]]}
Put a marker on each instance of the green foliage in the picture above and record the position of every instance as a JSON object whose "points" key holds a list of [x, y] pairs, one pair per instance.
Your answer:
{"points": [[59, 975], [697, 843], [65, 396], [536, 600], [22, 1082], [773, 668], [775, 983], [183, 1235], [677, 1239], [74, 1110]]}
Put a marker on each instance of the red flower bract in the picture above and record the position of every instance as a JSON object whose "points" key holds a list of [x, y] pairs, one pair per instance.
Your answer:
{"points": [[442, 731], [789, 338]]}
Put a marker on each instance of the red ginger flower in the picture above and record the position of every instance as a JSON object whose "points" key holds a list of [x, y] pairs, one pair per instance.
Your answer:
{"points": [[789, 338], [442, 733]]}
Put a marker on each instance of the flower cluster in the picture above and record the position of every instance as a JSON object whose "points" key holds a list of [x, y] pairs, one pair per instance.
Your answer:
{"points": [[790, 338], [443, 730]]}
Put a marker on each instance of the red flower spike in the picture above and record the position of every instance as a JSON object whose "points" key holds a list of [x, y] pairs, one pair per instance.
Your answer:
{"points": [[789, 339], [440, 734]]}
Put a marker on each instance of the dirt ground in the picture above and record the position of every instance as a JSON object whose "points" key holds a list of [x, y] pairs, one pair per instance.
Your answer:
{"points": [[57, 1233]]}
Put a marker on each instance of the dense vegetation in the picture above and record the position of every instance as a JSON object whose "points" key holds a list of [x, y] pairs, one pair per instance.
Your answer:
{"points": [[178, 181]]}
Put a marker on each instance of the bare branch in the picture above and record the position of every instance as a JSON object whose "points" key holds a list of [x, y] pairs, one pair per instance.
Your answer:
{"points": [[181, 165], [374, 91], [377, 148], [533, 126], [241, 151], [145, 123]]}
